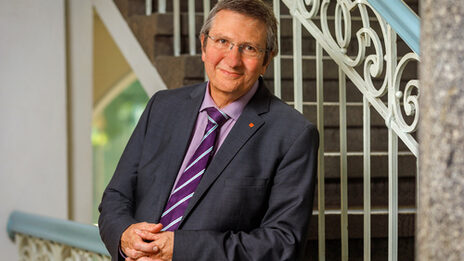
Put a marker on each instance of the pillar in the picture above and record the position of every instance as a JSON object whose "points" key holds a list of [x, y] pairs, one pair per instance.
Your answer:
{"points": [[440, 219]]}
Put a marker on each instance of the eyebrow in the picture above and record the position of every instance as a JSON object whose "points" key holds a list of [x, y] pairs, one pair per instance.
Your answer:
{"points": [[220, 36]]}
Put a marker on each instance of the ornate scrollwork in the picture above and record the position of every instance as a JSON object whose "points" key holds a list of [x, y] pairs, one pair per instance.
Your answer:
{"points": [[33, 248], [374, 66], [410, 96], [311, 13], [371, 57], [366, 36]]}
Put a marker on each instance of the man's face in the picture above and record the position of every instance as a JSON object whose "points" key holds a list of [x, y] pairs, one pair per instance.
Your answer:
{"points": [[231, 74]]}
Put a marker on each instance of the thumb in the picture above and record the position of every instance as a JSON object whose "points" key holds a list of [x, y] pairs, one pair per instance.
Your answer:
{"points": [[156, 228]]}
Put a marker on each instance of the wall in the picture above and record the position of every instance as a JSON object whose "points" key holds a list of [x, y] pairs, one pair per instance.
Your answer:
{"points": [[109, 65], [79, 69], [33, 150]]}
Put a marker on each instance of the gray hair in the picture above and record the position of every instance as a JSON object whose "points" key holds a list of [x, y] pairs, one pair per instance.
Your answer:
{"points": [[253, 8]]}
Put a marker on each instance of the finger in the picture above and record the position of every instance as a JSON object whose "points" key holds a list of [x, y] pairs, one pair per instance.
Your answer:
{"points": [[146, 258], [158, 227], [151, 247], [145, 235], [134, 254], [154, 228]]}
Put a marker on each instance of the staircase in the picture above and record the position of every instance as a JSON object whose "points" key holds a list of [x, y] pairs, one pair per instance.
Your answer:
{"points": [[154, 32]]}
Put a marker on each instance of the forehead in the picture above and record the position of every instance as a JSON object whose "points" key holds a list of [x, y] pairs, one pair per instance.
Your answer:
{"points": [[239, 27]]}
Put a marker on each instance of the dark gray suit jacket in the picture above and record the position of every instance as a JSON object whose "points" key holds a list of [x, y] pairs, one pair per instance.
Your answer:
{"points": [[254, 200]]}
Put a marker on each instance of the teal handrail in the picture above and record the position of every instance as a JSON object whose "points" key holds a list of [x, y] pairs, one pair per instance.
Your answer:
{"points": [[402, 19], [62, 231]]}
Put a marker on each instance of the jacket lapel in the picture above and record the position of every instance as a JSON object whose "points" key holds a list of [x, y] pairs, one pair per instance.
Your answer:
{"points": [[238, 136], [185, 120]]}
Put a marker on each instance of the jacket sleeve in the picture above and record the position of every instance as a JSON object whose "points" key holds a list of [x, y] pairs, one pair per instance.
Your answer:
{"points": [[117, 205], [283, 230]]}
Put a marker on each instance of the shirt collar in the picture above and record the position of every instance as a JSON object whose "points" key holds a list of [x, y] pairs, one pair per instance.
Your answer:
{"points": [[235, 108]]}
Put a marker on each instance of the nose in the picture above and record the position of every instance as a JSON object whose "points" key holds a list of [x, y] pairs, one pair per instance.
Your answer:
{"points": [[233, 57]]}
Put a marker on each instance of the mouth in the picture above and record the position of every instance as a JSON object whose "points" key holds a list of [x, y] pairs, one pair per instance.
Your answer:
{"points": [[230, 73]]}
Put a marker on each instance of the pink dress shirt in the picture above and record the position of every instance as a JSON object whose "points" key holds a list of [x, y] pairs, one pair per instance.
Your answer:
{"points": [[233, 110]]}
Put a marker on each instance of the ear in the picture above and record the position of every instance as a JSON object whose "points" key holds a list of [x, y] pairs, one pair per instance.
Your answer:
{"points": [[269, 59], [203, 47]]}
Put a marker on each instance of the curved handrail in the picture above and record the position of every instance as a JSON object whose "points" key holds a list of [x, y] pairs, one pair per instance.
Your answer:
{"points": [[402, 19], [66, 232]]}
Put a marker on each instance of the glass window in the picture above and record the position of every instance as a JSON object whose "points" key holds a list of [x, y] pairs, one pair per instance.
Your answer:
{"points": [[111, 129]]}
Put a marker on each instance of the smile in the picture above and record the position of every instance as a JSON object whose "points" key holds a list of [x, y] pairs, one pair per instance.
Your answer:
{"points": [[229, 73]]}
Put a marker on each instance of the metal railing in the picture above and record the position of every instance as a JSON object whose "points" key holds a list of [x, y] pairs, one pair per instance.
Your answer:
{"points": [[44, 238], [192, 39], [375, 57], [367, 56]]}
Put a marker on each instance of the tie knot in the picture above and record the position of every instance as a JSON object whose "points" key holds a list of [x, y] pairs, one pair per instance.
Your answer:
{"points": [[216, 115]]}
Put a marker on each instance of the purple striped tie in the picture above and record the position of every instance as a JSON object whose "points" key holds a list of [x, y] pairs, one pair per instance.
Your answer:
{"points": [[188, 182]]}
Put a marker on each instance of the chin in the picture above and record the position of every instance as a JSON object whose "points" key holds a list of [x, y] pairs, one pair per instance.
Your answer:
{"points": [[228, 90], [228, 85]]}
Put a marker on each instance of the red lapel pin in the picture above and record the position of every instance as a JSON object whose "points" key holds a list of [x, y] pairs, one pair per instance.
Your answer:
{"points": [[251, 125]]}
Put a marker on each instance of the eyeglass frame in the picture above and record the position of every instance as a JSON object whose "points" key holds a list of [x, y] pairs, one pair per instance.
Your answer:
{"points": [[239, 46]]}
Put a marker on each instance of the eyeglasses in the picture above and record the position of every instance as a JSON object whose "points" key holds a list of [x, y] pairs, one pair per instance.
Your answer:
{"points": [[247, 50]]}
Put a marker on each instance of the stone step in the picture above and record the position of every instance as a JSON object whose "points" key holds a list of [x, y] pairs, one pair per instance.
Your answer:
{"points": [[413, 4], [129, 8], [379, 236], [330, 89], [330, 69], [406, 223], [379, 249], [379, 192], [379, 139], [332, 115], [379, 165], [184, 5]]}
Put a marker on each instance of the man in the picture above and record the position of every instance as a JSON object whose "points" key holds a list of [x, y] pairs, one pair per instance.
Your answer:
{"points": [[220, 170]]}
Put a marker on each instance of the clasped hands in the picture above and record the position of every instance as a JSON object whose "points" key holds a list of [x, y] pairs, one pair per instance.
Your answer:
{"points": [[145, 242]]}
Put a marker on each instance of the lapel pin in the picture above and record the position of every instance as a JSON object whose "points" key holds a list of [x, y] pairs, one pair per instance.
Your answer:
{"points": [[251, 125]]}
